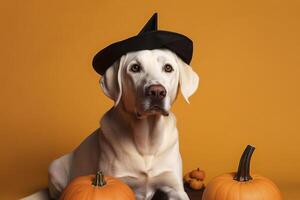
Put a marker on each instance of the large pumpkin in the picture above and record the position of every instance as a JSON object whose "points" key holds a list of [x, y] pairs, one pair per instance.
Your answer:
{"points": [[240, 185], [97, 187]]}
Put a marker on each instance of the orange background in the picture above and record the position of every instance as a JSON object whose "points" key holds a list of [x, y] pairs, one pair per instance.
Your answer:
{"points": [[246, 54]]}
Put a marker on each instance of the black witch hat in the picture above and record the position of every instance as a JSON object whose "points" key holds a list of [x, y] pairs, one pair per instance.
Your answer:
{"points": [[148, 38]]}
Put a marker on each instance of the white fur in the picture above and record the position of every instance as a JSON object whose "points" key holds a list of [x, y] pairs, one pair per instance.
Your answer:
{"points": [[143, 152]]}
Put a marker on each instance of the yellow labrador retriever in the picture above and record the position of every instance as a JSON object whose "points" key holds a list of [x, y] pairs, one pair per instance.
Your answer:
{"points": [[137, 140]]}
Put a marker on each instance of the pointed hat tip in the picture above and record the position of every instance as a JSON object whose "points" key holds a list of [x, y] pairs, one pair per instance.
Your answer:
{"points": [[151, 25]]}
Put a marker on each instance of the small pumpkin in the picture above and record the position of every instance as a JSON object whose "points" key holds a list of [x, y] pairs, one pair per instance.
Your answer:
{"points": [[93, 187], [198, 174], [196, 184], [194, 179], [240, 185], [187, 178]]}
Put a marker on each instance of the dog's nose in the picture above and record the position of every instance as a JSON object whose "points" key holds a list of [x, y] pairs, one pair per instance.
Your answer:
{"points": [[157, 92]]}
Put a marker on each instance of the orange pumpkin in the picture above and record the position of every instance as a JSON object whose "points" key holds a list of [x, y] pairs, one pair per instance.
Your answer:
{"points": [[198, 174], [187, 178], [99, 187], [240, 185], [194, 179], [196, 184]]}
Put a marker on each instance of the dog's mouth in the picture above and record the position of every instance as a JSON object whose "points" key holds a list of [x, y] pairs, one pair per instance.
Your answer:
{"points": [[153, 110]]}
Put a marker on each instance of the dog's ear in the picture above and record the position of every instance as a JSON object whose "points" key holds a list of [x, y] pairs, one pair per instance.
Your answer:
{"points": [[111, 82], [188, 80]]}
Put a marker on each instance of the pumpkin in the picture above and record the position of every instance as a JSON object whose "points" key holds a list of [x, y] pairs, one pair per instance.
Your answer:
{"points": [[93, 187], [187, 178], [241, 185], [198, 174], [196, 184], [194, 179]]}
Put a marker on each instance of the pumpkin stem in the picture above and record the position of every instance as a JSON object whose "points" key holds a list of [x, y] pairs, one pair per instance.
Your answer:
{"points": [[243, 173], [99, 180]]}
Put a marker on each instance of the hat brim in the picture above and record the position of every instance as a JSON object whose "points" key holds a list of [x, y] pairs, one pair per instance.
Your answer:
{"points": [[178, 43]]}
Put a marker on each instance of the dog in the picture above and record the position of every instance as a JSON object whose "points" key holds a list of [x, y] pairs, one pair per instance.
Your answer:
{"points": [[137, 141]]}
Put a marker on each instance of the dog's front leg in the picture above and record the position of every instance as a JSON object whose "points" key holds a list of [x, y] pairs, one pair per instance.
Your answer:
{"points": [[175, 194], [169, 184]]}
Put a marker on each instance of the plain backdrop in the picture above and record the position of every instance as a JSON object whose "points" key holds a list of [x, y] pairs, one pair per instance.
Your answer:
{"points": [[245, 52]]}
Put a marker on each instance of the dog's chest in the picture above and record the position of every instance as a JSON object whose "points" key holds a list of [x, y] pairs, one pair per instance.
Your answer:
{"points": [[137, 166], [147, 172], [148, 162]]}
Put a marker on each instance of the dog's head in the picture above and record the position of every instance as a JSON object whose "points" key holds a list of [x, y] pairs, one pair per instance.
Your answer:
{"points": [[146, 82]]}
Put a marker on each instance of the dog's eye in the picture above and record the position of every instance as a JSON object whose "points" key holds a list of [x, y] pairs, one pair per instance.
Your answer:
{"points": [[168, 68], [135, 68]]}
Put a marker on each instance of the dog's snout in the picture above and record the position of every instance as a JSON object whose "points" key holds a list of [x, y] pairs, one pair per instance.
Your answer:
{"points": [[157, 92]]}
